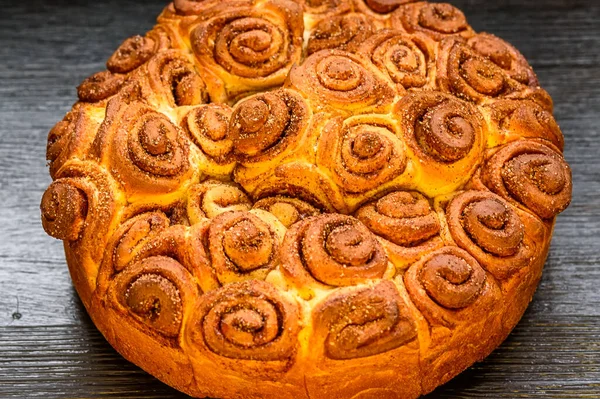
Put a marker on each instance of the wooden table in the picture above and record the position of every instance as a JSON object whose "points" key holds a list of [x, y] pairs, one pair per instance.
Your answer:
{"points": [[49, 347]]}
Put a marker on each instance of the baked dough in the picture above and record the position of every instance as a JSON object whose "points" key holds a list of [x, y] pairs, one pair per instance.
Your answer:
{"points": [[307, 199]]}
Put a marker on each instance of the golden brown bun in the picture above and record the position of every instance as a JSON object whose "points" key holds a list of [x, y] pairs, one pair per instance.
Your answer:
{"points": [[307, 198]]}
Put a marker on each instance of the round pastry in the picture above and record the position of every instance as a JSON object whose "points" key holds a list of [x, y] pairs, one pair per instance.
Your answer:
{"points": [[299, 198]]}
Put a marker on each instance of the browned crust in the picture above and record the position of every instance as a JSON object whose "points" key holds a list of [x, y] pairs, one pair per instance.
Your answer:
{"points": [[322, 380], [211, 171]]}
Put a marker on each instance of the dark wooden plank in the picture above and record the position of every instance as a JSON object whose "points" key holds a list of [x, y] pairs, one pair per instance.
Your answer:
{"points": [[570, 346], [48, 345]]}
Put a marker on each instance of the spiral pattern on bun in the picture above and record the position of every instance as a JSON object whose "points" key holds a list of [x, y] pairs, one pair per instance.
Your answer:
{"points": [[208, 128], [253, 46], [69, 139], [342, 80], [448, 279], [532, 174], [406, 59], [450, 282], [402, 217], [332, 249], [362, 152], [175, 79], [144, 235], [155, 293], [131, 54], [407, 224], [147, 152], [439, 126], [515, 119], [505, 56], [356, 323], [287, 209], [79, 207], [100, 86], [469, 75], [436, 20], [492, 231], [241, 246], [64, 210], [343, 32], [267, 126], [251, 320], [131, 238], [209, 199], [60, 138]]}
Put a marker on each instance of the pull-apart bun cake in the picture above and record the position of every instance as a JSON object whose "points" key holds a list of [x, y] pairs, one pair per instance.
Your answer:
{"points": [[307, 198]]}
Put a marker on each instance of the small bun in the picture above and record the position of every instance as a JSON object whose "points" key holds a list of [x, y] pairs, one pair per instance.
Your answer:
{"points": [[64, 209]]}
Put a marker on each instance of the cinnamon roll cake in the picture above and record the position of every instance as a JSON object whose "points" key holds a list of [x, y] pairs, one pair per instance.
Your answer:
{"points": [[307, 198]]}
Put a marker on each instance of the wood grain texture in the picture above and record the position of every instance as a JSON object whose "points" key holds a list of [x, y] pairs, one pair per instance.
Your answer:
{"points": [[48, 345]]}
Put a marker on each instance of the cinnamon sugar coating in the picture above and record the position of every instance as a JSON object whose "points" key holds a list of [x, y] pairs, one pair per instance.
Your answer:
{"points": [[307, 198]]}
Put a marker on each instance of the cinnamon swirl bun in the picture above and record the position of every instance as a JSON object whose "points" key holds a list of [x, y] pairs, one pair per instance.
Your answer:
{"points": [[100, 86], [331, 250], [173, 79], [69, 138], [361, 153], [406, 223], [531, 174], [146, 151], [248, 47], [500, 237], [342, 80], [407, 59], [137, 50], [445, 131], [344, 32], [515, 119], [472, 76], [436, 20], [505, 56], [208, 128]]}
